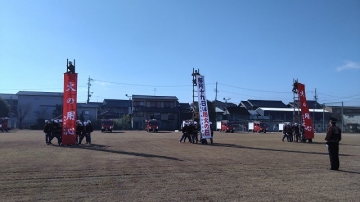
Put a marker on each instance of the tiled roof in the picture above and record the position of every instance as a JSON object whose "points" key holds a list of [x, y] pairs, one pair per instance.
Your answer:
{"points": [[153, 97], [35, 93], [223, 105], [238, 110], [267, 103]]}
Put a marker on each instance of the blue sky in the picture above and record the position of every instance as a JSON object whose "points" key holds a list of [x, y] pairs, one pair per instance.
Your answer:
{"points": [[253, 49]]}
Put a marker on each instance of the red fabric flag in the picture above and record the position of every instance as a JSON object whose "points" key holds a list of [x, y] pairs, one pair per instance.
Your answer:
{"points": [[69, 109], [307, 121]]}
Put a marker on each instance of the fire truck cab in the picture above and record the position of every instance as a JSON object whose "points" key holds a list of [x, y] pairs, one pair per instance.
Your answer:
{"points": [[227, 126], [152, 125], [4, 124], [260, 127], [107, 125]]}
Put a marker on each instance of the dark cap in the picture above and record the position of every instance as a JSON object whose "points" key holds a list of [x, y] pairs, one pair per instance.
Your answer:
{"points": [[332, 119]]}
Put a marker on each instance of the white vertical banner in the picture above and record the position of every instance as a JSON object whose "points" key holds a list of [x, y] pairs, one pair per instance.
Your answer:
{"points": [[203, 107]]}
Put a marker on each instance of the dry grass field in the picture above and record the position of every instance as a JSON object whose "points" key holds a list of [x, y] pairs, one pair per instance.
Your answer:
{"points": [[140, 166]]}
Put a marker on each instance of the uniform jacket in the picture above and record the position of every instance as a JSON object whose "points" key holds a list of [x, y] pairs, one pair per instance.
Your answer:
{"points": [[333, 134]]}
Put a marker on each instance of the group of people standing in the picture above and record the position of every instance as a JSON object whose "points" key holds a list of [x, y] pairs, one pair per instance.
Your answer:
{"points": [[291, 132], [53, 129], [190, 132]]}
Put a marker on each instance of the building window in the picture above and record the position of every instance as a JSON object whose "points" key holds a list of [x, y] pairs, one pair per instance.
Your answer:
{"points": [[155, 115], [158, 104], [171, 116], [139, 114], [153, 104], [167, 104], [139, 103], [86, 112]]}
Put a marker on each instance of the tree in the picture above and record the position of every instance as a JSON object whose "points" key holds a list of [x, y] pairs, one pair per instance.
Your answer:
{"points": [[22, 111], [4, 108], [125, 122], [42, 114], [57, 111]]}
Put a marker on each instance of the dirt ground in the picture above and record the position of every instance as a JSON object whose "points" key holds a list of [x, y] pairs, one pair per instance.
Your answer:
{"points": [[140, 166]]}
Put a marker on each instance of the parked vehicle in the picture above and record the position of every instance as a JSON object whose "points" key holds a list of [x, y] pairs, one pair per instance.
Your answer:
{"points": [[257, 127], [107, 125], [4, 123], [152, 125], [225, 126]]}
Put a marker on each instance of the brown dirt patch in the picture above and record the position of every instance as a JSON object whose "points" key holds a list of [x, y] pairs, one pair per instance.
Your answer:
{"points": [[140, 166]]}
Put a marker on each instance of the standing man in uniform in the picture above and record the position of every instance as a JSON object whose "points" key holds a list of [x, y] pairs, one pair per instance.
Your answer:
{"points": [[47, 131], [333, 137]]}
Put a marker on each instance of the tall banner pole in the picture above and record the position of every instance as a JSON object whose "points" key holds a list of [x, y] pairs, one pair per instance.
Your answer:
{"points": [[305, 113], [203, 108], [69, 106]]}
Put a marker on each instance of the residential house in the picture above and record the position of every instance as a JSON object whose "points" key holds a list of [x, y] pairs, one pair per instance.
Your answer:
{"points": [[348, 117], [114, 108], [87, 111], [163, 108]]}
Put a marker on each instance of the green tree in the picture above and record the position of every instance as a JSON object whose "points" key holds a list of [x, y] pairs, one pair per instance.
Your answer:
{"points": [[125, 122], [4, 108]]}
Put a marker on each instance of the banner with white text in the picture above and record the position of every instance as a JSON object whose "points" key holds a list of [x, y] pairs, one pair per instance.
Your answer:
{"points": [[69, 109], [307, 121], [203, 107]]}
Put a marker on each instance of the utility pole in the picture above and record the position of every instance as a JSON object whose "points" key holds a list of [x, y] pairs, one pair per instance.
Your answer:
{"points": [[216, 91], [315, 98], [194, 82], [88, 92]]}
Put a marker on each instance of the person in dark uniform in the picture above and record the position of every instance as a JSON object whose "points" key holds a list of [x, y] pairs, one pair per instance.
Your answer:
{"points": [[56, 131], [184, 130], [88, 131], [333, 137], [47, 131], [289, 133], [296, 130], [284, 132]]}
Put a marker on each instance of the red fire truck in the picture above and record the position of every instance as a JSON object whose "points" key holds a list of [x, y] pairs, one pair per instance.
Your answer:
{"points": [[107, 125], [227, 126], [4, 124], [152, 125], [258, 127]]}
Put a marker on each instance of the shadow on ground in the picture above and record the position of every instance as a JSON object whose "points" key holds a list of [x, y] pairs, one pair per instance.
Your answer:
{"points": [[268, 149], [103, 148]]}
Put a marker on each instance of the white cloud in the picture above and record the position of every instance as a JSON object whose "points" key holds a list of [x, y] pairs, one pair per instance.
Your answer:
{"points": [[348, 65]]}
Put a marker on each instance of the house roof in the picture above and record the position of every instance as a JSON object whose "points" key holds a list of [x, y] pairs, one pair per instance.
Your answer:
{"points": [[267, 103], [253, 112], [36, 93], [116, 103], [245, 104], [84, 105], [8, 96], [238, 110], [310, 103], [289, 109], [153, 97], [218, 110], [223, 105]]}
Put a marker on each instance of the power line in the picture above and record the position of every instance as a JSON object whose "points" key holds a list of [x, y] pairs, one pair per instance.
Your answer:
{"points": [[252, 89], [132, 84]]}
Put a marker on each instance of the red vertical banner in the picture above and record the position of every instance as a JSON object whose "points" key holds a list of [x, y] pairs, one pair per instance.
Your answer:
{"points": [[69, 108], [307, 121]]}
